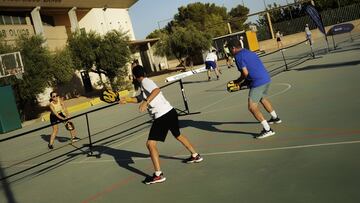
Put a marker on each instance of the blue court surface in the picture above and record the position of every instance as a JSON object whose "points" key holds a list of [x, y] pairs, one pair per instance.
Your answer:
{"points": [[311, 158]]}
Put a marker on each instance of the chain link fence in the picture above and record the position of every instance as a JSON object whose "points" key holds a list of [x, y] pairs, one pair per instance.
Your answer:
{"points": [[296, 25]]}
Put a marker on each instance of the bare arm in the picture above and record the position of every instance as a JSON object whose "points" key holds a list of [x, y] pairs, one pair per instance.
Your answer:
{"points": [[243, 76]]}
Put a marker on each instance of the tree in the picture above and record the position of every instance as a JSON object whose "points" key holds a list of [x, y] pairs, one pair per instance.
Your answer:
{"points": [[106, 55], [37, 65], [83, 47], [162, 47], [238, 18], [62, 67], [205, 17], [113, 56], [186, 42]]}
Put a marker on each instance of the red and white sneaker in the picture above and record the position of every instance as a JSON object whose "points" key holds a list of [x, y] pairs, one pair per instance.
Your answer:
{"points": [[192, 159], [155, 179]]}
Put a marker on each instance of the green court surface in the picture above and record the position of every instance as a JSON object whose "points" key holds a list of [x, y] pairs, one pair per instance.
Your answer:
{"points": [[311, 158]]}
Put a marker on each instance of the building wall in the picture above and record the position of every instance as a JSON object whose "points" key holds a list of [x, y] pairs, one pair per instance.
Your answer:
{"points": [[103, 21], [56, 37]]}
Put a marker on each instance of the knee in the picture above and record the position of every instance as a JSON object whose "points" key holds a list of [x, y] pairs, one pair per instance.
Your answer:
{"points": [[150, 144], [252, 108]]}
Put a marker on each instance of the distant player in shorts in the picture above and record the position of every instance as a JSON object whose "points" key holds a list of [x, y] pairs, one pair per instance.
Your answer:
{"points": [[211, 64], [253, 70], [166, 118]]}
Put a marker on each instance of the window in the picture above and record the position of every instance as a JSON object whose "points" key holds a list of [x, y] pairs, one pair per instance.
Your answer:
{"points": [[7, 20]]}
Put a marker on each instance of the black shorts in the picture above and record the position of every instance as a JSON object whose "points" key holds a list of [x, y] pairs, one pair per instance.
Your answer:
{"points": [[54, 119], [162, 125], [278, 39]]}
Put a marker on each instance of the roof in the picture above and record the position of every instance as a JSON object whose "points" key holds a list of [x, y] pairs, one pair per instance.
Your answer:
{"points": [[232, 34], [68, 3], [145, 41]]}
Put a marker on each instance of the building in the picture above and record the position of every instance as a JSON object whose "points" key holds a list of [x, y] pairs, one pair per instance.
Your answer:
{"points": [[55, 20]]}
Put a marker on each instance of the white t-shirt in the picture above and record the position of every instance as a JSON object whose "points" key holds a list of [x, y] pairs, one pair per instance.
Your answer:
{"points": [[211, 57], [159, 105]]}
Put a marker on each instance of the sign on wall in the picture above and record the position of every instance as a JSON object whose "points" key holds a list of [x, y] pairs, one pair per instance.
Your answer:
{"points": [[11, 32]]}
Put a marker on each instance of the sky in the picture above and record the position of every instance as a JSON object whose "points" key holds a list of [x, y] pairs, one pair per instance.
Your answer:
{"points": [[148, 15]]}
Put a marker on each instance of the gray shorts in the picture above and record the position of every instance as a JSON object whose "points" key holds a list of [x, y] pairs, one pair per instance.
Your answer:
{"points": [[257, 93]]}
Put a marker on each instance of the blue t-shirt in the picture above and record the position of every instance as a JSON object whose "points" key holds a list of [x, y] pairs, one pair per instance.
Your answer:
{"points": [[258, 75]]}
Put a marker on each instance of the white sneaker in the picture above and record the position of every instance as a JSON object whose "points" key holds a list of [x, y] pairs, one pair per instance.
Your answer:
{"points": [[265, 133]]}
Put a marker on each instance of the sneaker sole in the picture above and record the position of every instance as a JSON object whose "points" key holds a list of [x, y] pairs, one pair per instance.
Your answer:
{"points": [[157, 181], [261, 137], [195, 161], [275, 122]]}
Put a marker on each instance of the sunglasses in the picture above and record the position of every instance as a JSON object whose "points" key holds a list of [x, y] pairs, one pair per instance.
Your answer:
{"points": [[54, 96]]}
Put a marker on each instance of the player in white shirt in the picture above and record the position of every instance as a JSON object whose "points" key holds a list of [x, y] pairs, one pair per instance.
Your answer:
{"points": [[166, 118], [211, 64]]}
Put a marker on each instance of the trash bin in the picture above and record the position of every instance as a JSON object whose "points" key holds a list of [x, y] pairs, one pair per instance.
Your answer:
{"points": [[9, 114]]}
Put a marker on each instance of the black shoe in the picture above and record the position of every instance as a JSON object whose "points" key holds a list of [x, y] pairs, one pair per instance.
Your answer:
{"points": [[274, 120], [229, 67], [209, 78], [217, 77], [265, 133], [155, 179], [75, 139], [50, 146], [192, 159]]}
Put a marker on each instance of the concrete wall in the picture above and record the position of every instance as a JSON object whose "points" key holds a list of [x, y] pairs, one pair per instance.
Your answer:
{"points": [[270, 45], [56, 37], [111, 19]]}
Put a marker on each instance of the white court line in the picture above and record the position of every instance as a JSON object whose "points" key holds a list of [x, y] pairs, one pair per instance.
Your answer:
{"points": [[217, 153], [222, 109]]}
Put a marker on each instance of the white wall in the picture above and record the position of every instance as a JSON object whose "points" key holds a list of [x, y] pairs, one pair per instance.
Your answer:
{"points": [[103, 21]]}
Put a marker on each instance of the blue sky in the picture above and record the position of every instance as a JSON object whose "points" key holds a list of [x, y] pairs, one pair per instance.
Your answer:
{"points": [[147, 15]]}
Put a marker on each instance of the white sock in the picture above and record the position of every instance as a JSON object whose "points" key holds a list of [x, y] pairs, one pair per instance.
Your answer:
{"points": [[265, 125], [194, 155], [273, 114], [157, 173]]}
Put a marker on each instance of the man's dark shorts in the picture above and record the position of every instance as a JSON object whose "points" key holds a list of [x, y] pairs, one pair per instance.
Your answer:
{"points": [[162, 125]]}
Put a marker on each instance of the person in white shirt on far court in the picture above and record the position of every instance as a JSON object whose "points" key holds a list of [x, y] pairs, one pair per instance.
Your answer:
{"points": [[211, 64]]}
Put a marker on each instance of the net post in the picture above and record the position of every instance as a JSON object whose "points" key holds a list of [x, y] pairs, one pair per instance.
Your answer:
{"points": [[333, 40], [282, 53], [184, 96], [89, 135], [311, 49]]}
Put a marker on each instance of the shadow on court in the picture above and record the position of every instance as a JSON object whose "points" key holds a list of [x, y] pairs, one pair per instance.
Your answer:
{"points": [[327, 66], [60, 139], [212, 126], [124, 158]]}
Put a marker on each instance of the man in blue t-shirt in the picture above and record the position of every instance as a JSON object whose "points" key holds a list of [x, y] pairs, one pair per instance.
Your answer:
{"points": [[253, 71]]}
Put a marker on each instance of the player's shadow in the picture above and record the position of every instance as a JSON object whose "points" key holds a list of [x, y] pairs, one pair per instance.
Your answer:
{"points": [[123, 158], [211, 126], [61, 139], [329, 66]]}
